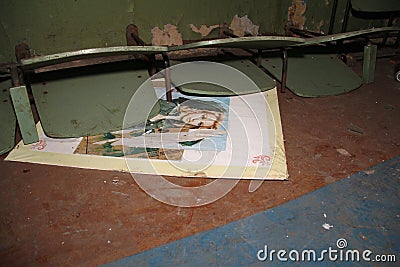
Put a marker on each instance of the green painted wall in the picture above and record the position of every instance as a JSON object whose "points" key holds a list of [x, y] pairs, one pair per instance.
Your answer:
{"points": [[320, 10], [62, 25]]}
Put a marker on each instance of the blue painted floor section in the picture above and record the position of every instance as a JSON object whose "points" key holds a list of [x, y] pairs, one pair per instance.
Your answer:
{"points": [[362, 211]]}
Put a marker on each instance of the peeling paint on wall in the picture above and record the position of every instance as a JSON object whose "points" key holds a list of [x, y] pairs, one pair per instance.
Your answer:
{"points": [[320, 24], [168, 36], [242, 26], [296, 12], [204, 30]]}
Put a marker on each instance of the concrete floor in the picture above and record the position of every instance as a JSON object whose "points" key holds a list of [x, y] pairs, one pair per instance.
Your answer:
{"points": [[64, 216], [360, 213]]}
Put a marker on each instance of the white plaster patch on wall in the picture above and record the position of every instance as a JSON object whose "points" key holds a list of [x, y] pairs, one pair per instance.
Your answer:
{"points": [[242, 26], [204, 30], [169, 36]]}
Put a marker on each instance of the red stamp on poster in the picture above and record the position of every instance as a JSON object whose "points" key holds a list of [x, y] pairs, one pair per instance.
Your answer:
{"points": [[40, 145], [264, 160]]}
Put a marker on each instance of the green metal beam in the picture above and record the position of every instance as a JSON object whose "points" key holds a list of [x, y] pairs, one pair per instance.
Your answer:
{"points": [[23, 110], [258, 42], [37, 62], [369, 63], [346, 35]]}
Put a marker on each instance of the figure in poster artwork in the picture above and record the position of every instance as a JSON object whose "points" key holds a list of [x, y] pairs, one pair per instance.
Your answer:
{"points": [[180, 125]]}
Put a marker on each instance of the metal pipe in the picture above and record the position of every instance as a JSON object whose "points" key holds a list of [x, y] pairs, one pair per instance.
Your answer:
{"points": [[284, 69], [167, 77], [259, 57], [346, 16], [15, 76], [333, 16]]}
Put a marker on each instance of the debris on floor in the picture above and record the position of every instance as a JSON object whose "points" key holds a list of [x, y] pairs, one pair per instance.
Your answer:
{"points": [[355, 129], [388, 107], [343, 152], [327, 226], [120, 194]]}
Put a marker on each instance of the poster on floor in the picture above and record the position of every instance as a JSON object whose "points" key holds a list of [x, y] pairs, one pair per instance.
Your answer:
{"points": [[216, 137]]}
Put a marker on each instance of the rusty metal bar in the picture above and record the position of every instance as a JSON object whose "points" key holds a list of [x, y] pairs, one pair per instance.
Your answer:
{"points": [[167, 77], [15, 76], [133, 39], [284, 69]]}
